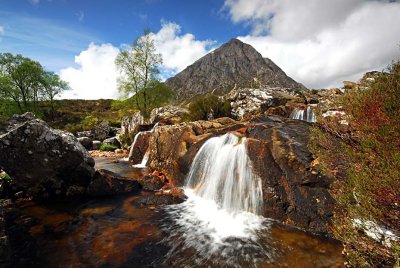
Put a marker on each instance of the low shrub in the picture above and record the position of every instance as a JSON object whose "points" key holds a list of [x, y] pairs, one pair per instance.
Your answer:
{"points": [[108, 147], [204, 107]]}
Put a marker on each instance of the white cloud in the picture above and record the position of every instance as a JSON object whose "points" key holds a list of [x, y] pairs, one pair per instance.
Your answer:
{"points": [[1, 29], [96, 76], [321, 42], [179, 51]]}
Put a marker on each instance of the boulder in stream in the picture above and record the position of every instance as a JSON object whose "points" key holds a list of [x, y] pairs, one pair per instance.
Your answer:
{"points": [[45, 162], [106, 182]]}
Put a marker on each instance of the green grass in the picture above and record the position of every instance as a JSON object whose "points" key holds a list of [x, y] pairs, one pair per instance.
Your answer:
{"points": [[108, 147]]}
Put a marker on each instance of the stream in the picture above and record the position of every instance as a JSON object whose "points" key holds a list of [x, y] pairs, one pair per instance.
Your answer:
{"points": [[118, 231]]}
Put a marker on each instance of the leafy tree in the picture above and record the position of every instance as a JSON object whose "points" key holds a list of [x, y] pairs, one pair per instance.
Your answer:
{"points": [[20, 80], [138, 71], [25, 82], [52, 86], [202, 107]]}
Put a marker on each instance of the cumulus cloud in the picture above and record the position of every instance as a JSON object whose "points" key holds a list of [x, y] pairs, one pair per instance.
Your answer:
{"points": [[179, 51], [321, 42], [96, 75], [1, 29]]}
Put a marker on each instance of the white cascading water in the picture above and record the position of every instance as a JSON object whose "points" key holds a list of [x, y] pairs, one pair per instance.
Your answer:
{"points": [[220, 221], [222, 172], [145, 158], [306, 115]]}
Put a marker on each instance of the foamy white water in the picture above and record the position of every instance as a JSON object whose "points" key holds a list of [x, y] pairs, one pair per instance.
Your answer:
{"points": [[220, 219], [222, 172]]}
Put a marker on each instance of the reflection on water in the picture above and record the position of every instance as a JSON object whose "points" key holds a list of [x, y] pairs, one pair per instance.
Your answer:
{"points": [[120, 232]]}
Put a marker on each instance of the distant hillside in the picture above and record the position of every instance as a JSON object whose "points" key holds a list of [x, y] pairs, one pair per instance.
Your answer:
{"points": [[234, 64]]}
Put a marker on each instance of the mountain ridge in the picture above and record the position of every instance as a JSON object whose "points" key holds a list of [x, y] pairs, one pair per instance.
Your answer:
{"points": [[234, 64]]}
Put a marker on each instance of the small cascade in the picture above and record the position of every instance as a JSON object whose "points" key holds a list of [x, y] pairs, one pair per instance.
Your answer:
{"points": [[307, 114], [222, 172], [147, 153], [145, 159], [219, 224]]}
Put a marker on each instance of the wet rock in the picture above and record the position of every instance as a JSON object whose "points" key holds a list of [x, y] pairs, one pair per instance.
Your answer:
{"points": [[153, 182], [294, 192], [172, 114], [17, 246], [138, 150], [173, 147], [158, 200], [112, 141], [106, 182], [96, 145], [44, 161], [86, 142]]}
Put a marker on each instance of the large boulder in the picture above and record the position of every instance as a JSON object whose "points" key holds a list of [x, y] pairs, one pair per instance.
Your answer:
{"points": [[172, 114], [102, 131], [294, 191], [44, 161], [106, 182]]}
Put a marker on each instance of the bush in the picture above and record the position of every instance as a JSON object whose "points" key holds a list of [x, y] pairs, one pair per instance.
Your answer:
{"points": [[203, 106], [365, 159], [108, 147]]}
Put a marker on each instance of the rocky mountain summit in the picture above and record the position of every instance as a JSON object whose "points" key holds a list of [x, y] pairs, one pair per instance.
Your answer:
{"points": [[233, 65]]}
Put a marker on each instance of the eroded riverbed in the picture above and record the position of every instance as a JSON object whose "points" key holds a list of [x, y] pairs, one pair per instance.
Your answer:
{"points": [[121, 232]]}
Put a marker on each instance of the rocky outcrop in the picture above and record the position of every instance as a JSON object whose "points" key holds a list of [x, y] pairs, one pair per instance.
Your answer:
{"points": [[294, 191], [173, 147], [247, 102], [44, 161], [233, 65], [130, 126], [170, 114], [106, 182]]}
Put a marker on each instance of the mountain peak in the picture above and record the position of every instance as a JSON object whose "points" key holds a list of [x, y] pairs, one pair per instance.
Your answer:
{"points": [[234, 64]]}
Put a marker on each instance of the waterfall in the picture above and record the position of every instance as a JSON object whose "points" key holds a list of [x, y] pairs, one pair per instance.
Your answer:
{"points": [[304, 114], [147, 153], [220, 223], [222, 172]]}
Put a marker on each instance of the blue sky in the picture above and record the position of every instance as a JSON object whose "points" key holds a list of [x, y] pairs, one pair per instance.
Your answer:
{"points": [[55, 31], [319, 43]]}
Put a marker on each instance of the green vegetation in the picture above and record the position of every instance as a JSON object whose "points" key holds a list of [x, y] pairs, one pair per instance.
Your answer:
{"points": [[108, 147], [157, 95], [138, 73], [24, 84], [203, 106], [365, 157]]}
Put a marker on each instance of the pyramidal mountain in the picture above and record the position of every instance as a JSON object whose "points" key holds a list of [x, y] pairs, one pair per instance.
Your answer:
{"points": [[234, 64]]}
